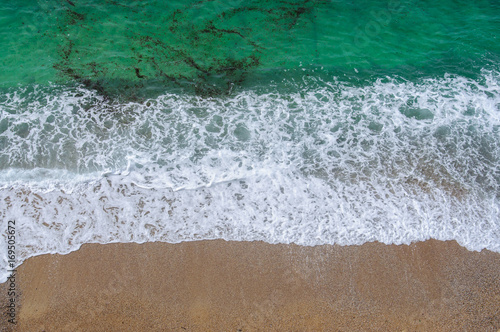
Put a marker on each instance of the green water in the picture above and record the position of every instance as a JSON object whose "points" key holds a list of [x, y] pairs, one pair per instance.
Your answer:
{"points": [[307, 122], [139, 48]]}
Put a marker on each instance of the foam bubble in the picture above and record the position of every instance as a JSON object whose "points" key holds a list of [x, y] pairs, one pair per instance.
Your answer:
{"points": [[391, 161]]}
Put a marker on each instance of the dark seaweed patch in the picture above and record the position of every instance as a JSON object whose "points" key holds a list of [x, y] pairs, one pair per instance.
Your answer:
{"points": [[209, 56], [138, 73]]}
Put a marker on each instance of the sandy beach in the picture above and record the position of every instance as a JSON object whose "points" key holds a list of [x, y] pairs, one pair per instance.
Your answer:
{"points": [[254, 286]]}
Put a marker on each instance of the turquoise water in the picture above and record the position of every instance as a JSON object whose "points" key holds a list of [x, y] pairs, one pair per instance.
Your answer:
{"points": [[309, 122], [194, 45]]}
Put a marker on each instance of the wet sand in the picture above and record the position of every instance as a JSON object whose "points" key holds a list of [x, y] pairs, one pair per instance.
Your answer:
{"points": [[250, 286]]}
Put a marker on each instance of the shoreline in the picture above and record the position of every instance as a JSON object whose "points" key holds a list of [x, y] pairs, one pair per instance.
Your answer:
{"points": [[245, 286]]}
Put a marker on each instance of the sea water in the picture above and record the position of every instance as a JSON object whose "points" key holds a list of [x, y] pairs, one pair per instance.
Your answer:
{"points": [[307, 122]]}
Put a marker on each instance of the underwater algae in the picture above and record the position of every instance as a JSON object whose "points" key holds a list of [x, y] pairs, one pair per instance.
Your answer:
{"points": [[204, 47]]}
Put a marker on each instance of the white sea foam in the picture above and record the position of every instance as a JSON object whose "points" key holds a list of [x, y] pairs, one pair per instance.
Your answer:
{"points": [[392, 161]]}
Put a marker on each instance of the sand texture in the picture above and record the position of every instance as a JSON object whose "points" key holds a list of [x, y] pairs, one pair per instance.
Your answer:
{"points": [[255, 286]]}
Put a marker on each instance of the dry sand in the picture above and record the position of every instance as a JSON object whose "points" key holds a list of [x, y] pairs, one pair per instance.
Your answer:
{"points": [[250, 286]]}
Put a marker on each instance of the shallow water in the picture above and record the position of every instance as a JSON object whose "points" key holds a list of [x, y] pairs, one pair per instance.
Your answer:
{"points": [[305, 122]]}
